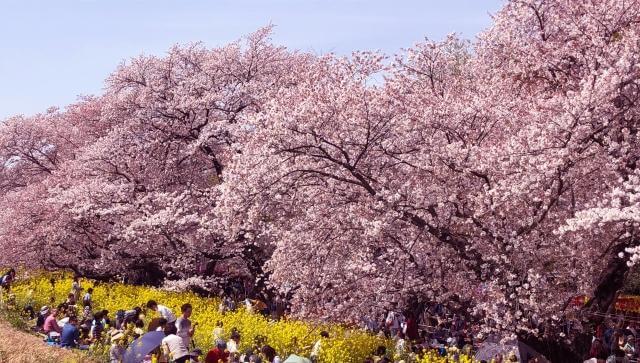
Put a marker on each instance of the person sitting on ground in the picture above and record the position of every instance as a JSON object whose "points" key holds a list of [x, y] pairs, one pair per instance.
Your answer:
{"points": [[85, 333], [50, 325], [164, 311], [119, 319], [173, 346], [86, 299], [218, 354], [70, 334]]}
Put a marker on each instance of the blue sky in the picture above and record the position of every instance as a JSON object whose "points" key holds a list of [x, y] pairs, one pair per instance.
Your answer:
{"points": [[51, 51]]}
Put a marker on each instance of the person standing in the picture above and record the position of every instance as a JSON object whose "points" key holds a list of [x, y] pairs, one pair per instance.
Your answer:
{"points": [[164, 311], [184, 327], [86, 299], [76, 288]]}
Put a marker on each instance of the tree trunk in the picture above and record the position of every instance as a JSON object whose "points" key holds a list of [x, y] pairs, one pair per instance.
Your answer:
{"points": [[611, 281]]}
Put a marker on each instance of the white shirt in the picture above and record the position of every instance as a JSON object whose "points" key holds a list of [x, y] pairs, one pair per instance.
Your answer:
{"points": [[232, 347], [315, 352], [166, 313], [173, 344], [63, 321], [183, 326]]}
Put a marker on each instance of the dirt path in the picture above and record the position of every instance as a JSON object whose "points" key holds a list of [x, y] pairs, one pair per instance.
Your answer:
{"points": [[20, 347]]}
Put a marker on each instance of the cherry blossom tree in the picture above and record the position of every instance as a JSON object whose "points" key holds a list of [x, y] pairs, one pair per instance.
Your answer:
{"points": [[472, 173], [499, 174], [139, 197]]}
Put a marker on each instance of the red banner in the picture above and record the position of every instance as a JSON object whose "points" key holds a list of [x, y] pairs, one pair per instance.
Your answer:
{"points": [[630, 303], [627, 303]]}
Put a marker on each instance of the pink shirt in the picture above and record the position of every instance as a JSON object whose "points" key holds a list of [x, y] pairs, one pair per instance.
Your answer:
{"points": [[50, 324]]}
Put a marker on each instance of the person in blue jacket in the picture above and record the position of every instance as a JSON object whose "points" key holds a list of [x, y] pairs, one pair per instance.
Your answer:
{"points": [[70, 334]]}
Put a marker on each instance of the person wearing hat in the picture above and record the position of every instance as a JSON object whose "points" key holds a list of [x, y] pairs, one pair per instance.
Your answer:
{"points": [[218, 354], [116, 352]]}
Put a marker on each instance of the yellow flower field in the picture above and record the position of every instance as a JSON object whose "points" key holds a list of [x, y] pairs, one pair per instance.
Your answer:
{"points": [[286, 336]]}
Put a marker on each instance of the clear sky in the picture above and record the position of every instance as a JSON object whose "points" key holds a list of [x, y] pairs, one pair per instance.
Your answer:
{"points": [[51, 51]]}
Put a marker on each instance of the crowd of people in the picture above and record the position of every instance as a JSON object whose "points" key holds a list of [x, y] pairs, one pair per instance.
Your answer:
{"points": [[615, 342], [437, 329], [77, 323]]}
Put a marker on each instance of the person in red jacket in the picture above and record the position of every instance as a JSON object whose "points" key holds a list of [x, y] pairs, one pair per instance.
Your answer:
{"points": [[218, 354]]}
